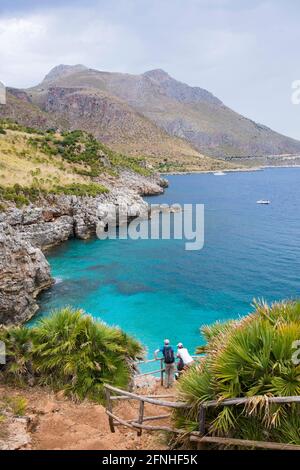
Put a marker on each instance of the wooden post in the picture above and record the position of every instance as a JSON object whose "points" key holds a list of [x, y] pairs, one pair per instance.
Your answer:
{"points": [[141, 417], [109, 408], [201, 420], [162, 372]]}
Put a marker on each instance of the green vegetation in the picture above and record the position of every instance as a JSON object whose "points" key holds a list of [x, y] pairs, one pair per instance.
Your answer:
{"points": [[14, 126], [15, 405], [10, 405], [82, 148], [77, 189], [166, 166], [48, 162], [72, 352], [22, 196], [248, 358], [19, 195]]}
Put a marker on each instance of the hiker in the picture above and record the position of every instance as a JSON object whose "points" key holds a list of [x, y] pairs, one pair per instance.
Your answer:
{"points": [[169, 359], [184, 356]]}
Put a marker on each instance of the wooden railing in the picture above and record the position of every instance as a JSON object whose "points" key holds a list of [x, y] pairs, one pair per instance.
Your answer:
{"points": [[138, 423], [160, 371], [113, 394], [200, 438]]}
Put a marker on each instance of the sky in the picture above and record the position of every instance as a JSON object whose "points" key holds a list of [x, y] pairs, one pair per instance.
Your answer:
{"points": [[243, 51]]}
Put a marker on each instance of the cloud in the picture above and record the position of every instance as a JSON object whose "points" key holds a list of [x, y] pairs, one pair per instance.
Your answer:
{"points": [[244, 52], [32, 44]]}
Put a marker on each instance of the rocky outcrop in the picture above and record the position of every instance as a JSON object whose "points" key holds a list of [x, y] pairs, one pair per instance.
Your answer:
{"points": [[24, 270], [15, 435], [24, 273], [64, 217], [145, 186]]}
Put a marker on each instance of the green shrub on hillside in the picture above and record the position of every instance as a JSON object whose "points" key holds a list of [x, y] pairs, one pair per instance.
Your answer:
{"points": [[15, 126], [22, 196], [76, 189], [80, 147], [72, 352], [248, 358]]}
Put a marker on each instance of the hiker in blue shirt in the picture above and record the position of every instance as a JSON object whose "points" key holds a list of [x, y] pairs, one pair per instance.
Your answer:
{"points": [[169, 359]]}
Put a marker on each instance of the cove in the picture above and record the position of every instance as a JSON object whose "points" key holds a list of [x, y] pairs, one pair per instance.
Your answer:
{"points": [[155, 289]]}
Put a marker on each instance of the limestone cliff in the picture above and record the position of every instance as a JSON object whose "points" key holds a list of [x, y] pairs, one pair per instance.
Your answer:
{"points": [[24, 273], [24, 233]]}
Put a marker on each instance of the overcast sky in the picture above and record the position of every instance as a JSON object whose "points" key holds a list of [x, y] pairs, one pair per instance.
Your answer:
{"points": [[244, 51]]}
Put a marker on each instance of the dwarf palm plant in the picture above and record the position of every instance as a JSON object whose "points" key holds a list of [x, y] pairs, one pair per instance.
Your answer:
{"points": [[76, 353], [18, 342], [251, 357], [71, 351]]}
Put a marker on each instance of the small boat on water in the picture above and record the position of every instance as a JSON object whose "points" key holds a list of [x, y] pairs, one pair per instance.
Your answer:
{"points": [[219, 173], [263, 201]]}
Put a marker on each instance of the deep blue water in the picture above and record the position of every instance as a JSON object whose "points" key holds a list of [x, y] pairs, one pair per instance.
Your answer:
{"points": [[156, 289]]}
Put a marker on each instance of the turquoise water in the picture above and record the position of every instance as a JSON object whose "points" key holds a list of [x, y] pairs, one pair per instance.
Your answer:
{"points": [[156, 289]]}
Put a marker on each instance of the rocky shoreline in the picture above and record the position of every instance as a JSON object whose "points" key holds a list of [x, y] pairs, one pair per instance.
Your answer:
{"points": [[25, 234]]}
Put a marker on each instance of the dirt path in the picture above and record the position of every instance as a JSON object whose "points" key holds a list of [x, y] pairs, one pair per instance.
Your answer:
{"points": [[55, 422]]}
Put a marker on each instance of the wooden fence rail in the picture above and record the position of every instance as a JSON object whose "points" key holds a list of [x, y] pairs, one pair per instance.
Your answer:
{"points": [[242, 443], [161, 370], [138, 423], [201, 439], [113, 393]]}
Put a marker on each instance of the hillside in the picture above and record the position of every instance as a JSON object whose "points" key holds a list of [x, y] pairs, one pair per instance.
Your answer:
{"points": [[176, 127], [34, 163], [55, 186], [185, 112], [50, 421], [110, 119], [52, 384]]}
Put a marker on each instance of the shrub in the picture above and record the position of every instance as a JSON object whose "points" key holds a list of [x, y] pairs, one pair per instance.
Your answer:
{"points": [[72, 352], [18, 341], [23, 195], [18, 405], [20, 195], [80, 147], [82, 189], [248, 358]]}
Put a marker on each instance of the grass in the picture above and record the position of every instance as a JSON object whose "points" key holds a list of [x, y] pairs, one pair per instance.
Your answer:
{"points": [[82, 148], [17, 405], [35, 163], [19, 162], [91, 189], [22, 196], [248, 358], [72, 352]]}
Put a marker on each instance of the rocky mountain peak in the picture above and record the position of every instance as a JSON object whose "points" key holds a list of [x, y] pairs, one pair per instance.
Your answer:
{"points": [[63, 70], [157, 74]]}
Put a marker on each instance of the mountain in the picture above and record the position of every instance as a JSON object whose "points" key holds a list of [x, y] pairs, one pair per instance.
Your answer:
{"points": [[152, 114], [190, 113], [106, 116]]}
